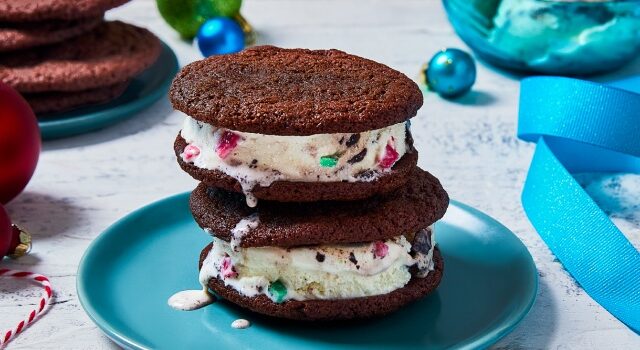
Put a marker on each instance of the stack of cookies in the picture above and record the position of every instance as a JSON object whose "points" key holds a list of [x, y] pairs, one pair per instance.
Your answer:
{"points": [[309, 184], [61, 54]]}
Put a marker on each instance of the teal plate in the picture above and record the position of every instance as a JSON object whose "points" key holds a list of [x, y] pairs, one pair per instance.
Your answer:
{"points": [[144, 89], [130, 270]]}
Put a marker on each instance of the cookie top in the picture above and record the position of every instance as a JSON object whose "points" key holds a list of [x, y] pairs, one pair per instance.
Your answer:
{"points": [[38, 10], [16, 36], [414, 206], [337, 309], [111, 53], [269, 90]]}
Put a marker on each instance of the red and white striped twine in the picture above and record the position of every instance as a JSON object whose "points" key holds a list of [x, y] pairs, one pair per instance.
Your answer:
{"points": [[6, 336]]}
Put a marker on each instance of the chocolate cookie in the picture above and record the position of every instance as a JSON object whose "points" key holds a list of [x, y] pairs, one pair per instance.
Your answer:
{"points": [[38, 10], [51, 102], [285, 191], [15, 36], [341, 309], [414, 206], [112, 53], [269, 90]]}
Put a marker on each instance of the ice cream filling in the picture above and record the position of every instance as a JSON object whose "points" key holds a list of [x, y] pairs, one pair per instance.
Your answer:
{"points": [[320, 272], [257, 159]]}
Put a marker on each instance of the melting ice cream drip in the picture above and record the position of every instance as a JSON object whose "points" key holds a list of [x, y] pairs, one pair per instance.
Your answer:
{"points": [[242, 228], [240, 323], [188, 300], [247, 189]]}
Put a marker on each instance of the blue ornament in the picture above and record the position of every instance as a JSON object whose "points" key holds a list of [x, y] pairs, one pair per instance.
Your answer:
{"points": [[451, 73], [219, 36]]}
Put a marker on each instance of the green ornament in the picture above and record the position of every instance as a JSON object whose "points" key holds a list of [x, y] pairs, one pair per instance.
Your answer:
{"points": [[227, 8], [278, 291], [328, 161], [186, 16]]}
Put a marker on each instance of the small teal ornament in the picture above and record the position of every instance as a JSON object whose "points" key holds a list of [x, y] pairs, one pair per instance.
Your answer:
{"points": [[219, 36], [451, 73]]}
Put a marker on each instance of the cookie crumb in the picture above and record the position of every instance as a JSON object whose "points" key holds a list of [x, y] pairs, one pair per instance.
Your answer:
{"points": [[353, 259], [353, 140]]}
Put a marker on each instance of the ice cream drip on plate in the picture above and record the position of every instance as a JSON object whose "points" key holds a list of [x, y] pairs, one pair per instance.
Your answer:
{"points": [[188, 300]]}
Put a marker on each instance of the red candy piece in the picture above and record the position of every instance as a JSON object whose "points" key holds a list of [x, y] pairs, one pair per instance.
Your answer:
{"points": [[380, 249], [390, 156], [227, 268], [228, 141], [190, 153]]}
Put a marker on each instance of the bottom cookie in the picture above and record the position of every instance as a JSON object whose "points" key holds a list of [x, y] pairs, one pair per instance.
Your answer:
{"points": [[24, 35], [337, 309], [55, 101]]}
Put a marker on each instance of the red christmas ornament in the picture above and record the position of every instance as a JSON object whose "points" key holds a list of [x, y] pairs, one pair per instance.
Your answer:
{"points": [[14, 242], [19, 144]]}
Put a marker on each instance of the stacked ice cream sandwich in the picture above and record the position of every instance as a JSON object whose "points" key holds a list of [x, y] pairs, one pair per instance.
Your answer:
{"points": [[61, 54], [309, 184]]}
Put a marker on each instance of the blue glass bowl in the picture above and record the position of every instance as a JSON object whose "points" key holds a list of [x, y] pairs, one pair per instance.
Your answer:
{"points": [[549, 37]]}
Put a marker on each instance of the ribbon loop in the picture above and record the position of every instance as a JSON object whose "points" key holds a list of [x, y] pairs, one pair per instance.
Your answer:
{"points": [[582, 111], [583, 126]]}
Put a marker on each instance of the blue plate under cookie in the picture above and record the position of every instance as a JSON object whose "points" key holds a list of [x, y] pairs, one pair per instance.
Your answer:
{"points": [[144, 89], [130, 270]]}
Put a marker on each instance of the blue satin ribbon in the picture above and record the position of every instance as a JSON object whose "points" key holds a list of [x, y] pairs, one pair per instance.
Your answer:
{"points": [[581, 126]]}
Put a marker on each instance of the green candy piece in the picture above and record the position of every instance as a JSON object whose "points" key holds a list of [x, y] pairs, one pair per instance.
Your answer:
{"points": [[186, 16], [328, 161], [278, 291]]}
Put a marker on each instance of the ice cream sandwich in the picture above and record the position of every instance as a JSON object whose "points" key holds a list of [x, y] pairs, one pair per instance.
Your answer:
{"points": [[323, 260], [296, 125]]}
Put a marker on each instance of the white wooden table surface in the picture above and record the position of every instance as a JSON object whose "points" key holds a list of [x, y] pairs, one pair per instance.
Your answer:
{"points": [[85, 183]]}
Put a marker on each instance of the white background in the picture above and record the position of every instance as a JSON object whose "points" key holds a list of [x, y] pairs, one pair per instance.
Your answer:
{"points": [[85, 183]]}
